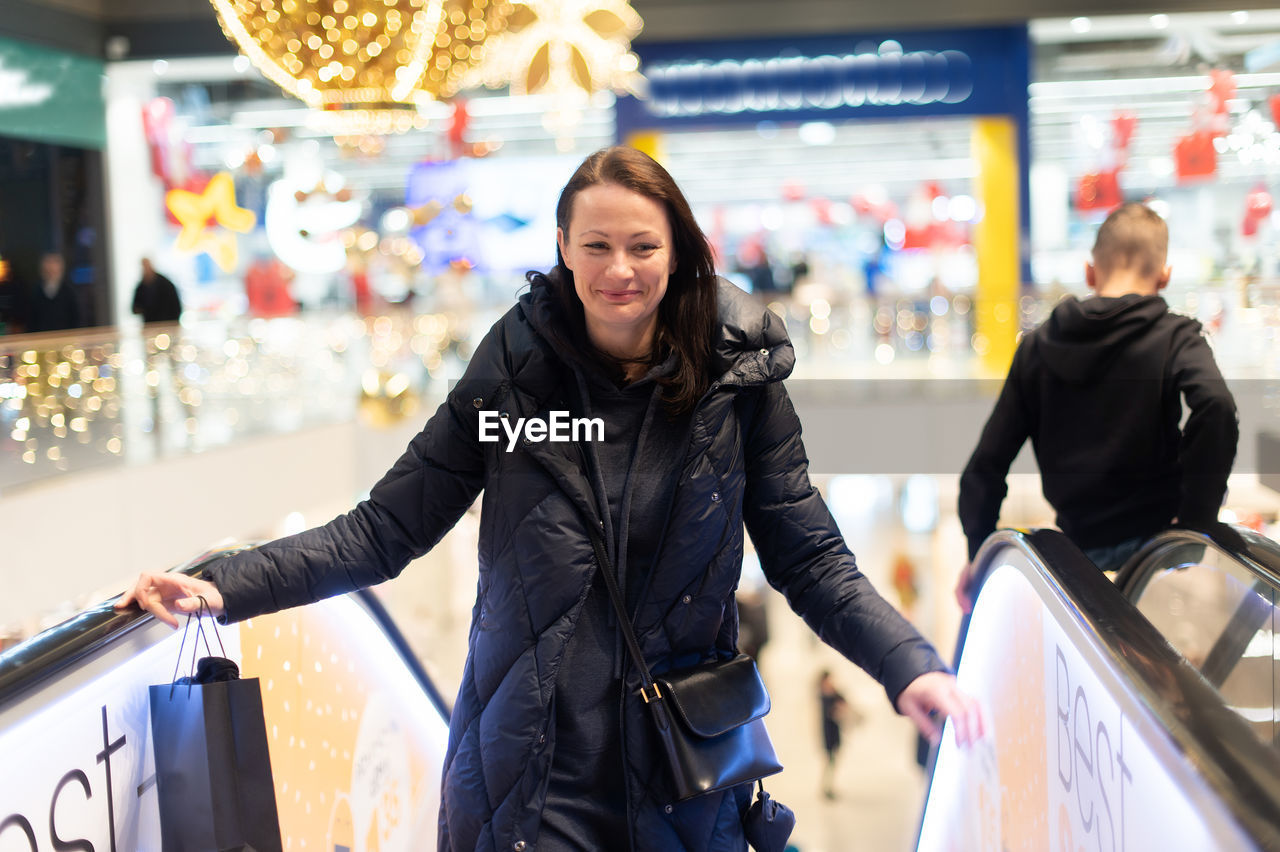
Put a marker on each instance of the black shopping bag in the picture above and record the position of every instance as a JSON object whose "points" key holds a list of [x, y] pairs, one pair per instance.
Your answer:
{"points": [[213, 771]]}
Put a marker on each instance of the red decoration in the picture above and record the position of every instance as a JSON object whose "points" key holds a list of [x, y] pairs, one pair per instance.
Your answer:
{"points": [[882, 211], [793, 190], [1122, 127], [458, 123], [1274, 103], [917, 237], [1257, 207], [157, 117], [1099, 191], [266, 284], [1194, 156], [1257, 204], [821, 210], [1222, 88]]}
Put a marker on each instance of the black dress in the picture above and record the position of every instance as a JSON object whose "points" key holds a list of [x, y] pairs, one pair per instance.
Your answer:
{"points": [[586, 798]]}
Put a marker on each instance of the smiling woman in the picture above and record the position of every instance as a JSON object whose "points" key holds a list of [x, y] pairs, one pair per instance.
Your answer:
{"points": [[552, 742], [635, 275], [619, 251]]}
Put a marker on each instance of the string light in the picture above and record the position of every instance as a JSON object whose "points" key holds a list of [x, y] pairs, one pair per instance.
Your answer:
{"points": [[62, 406], [367, 63]]}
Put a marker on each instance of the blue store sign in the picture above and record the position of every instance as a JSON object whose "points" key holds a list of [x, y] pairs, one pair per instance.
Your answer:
{"points": [[888, 78], [873, 76]]}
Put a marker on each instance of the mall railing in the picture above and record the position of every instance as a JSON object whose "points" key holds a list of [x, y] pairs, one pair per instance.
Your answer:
{"points": [[356, 725], [1100, 732], [72, 401]]}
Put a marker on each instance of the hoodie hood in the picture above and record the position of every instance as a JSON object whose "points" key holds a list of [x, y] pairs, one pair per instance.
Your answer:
{"points": [[750, 346], [1082, 338]]}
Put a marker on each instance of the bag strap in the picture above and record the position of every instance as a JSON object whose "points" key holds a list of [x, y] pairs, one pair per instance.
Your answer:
{"points": [[648, 689], [198, 615], [213, 624]]}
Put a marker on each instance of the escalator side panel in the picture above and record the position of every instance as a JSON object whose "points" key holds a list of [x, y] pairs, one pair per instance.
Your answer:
{"points": [[356, 744], [1072, 758], [59, 746]]}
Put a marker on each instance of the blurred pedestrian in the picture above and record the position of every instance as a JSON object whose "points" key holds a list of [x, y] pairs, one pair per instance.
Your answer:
{"points": [[155, 298], [52, 305], [836, 710], [904, 583]]}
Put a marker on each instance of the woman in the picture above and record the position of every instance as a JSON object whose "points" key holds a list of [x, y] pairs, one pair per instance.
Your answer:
{"points": [[550, 747]]}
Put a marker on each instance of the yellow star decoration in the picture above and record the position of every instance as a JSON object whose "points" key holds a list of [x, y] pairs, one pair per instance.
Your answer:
{"points": [[567, 49], [217, 202]]}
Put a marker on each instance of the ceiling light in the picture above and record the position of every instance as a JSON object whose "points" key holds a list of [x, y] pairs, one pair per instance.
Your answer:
{"points": [[1081, 25], [1160, 22], [817, 133]]}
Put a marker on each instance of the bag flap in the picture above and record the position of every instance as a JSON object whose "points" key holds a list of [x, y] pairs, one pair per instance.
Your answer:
{"points": [[716, 697]]}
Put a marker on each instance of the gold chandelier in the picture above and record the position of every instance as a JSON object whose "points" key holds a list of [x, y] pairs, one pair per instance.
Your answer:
{"points": [[368, 63]]}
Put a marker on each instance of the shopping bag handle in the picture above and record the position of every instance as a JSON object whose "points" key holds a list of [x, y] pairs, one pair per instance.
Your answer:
{"points": [[198, 615]]}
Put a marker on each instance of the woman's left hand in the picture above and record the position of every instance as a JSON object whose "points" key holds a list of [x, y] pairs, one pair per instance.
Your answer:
{"points": [[934, 697]]}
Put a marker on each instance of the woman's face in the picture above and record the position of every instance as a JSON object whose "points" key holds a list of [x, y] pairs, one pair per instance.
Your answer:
{"points": [[618, 247]]}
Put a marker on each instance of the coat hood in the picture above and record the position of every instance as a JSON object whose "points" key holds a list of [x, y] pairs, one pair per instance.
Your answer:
{"points": [[1082, 338], [750, 346]]}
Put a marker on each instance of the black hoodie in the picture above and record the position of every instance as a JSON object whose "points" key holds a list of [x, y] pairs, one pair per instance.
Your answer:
{"points": [[1098, 388]]}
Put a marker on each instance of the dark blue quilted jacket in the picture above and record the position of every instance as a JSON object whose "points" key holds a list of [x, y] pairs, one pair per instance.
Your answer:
{"points": [[744, 464]]}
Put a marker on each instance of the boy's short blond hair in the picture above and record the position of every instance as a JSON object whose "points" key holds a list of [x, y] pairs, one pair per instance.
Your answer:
{"points": [[1132, 237]]}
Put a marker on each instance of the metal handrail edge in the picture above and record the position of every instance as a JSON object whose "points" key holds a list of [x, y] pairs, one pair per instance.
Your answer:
{"points": [[1225, 752], [27, 666]]}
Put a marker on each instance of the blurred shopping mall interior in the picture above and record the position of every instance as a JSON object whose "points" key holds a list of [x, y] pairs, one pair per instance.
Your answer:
{"points": [[346, 199]]}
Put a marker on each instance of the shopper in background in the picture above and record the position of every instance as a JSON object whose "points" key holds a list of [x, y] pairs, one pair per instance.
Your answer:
{"points": [[550, 745], [155, 298], [1099, 389], [836, 710], [52, 305]]}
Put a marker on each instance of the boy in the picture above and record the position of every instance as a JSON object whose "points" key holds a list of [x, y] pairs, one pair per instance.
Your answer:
{"points": [[1098, 388]]}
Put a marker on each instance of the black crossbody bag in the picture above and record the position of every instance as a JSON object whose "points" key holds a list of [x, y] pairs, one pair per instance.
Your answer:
{"points": [[709, 718]]}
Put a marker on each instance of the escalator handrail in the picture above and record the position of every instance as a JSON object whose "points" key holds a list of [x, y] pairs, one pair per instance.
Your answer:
{"points": [[1256, 553], [48, 340], [379, 613], [30, 664], [1214, 739]]}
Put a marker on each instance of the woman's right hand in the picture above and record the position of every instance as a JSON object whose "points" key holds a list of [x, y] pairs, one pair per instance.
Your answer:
{"points": [[166, 596]]}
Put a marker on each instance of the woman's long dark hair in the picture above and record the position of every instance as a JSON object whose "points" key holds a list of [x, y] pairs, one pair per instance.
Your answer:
{"points": [[687, 313]]}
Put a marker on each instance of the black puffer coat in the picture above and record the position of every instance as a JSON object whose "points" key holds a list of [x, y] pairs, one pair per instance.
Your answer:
{"points": [[744, 463]]}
